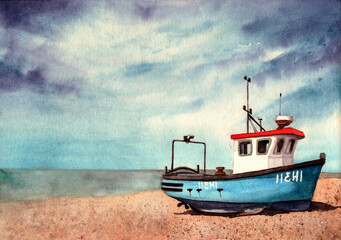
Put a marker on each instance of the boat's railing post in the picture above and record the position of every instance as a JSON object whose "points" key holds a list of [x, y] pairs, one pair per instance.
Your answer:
{"points": [[172, 166], [204, 158], [322, 156]]}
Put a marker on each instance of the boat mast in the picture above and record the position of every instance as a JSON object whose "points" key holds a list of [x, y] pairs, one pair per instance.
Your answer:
{"points": [[248, 110], [248, 80]]}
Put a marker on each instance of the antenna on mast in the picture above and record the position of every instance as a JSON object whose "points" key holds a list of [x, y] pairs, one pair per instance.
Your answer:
{"points": [[280, 103], [282, 121], [260, 123]]}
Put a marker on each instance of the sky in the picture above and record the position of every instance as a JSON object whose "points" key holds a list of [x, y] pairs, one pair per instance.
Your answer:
{"points": [[109, 84]]}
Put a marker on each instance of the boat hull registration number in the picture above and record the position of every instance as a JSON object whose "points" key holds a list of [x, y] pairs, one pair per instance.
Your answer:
{"points": [[294, 176], [208, 185]]}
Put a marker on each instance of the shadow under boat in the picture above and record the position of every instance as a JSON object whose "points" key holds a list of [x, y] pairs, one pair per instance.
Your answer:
{"points": [[314, 207]]}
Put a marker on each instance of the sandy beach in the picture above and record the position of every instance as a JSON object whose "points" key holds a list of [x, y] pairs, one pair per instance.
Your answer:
{"points": [[154, 215]]}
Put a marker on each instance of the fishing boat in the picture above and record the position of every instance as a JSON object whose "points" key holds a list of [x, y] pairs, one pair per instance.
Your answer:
{"points": [[263, 176]]}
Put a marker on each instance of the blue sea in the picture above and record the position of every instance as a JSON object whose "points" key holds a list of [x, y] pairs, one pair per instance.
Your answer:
{"points": [[22, 184]]}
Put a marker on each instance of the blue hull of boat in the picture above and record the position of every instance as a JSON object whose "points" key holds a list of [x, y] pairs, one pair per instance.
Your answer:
{"points": [[290, 190]]}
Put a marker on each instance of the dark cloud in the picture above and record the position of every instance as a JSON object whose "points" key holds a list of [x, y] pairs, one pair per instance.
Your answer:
{"points": [[331, 54], [135, 10], [12, 79], [146, 12], [288, 65], [37, 18], [293, 21], [64, 89], [27, 15], [35, 79], [283, 66], [312, 31], [259, 24]]}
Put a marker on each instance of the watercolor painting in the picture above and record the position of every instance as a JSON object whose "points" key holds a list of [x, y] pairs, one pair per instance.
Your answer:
{"points": [[92, 94]]}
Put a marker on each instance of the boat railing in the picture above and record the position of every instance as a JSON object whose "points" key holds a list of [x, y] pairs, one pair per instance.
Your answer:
{"points": [[182, 168], [186, 139]]}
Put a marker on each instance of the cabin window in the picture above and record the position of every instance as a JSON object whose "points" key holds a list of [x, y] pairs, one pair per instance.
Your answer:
{"points": [[245, 148], [263, 146], [279, 146], [291, 146]]}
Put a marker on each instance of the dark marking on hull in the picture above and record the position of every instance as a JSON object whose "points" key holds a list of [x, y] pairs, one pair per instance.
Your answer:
{"points": [[221, 207], [171, 189], [172, 184]]}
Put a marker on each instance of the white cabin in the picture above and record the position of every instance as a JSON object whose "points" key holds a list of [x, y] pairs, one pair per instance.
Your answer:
{"points": [[263, 150]]}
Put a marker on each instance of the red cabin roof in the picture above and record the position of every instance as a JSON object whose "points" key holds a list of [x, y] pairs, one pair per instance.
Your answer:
{"points": [[291, 131]]}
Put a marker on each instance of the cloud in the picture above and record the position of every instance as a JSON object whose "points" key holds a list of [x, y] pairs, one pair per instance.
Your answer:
{"points": [[247, 56], [65, 89], [331, 54], [195, 105], [27, 27], [307, 21], [300, 60], [173, 30], [270, 55], [12, 79], [29, 15], [310, 37], [316, 99], [145, 11], [284, 66], [257, 25], [138, 69]]}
